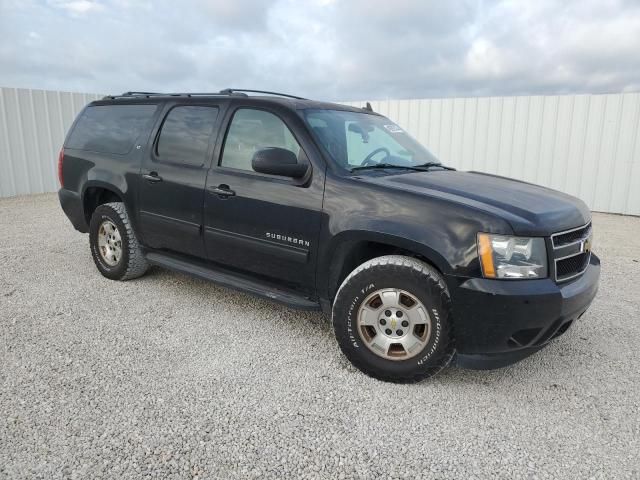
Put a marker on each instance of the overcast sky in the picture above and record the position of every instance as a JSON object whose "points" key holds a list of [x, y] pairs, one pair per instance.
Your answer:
{"points": [[325, 49]]}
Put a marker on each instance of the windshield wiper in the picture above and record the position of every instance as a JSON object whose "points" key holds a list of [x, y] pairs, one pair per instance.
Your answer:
{"points": [[423, 167], [432, 164], [385, 165]]}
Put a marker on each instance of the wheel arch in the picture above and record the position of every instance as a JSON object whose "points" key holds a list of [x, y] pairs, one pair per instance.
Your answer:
{"points": [[98, 193], [351, 249]]}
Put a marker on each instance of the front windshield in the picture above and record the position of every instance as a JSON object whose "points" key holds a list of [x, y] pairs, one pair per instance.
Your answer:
{"points": [[355, 139]]}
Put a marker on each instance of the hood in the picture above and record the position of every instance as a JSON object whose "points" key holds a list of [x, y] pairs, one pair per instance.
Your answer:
{"points": [[529, 209]]}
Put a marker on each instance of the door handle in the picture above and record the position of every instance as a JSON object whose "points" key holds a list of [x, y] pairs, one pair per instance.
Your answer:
{"points": [[152, 177], [223, 191]]}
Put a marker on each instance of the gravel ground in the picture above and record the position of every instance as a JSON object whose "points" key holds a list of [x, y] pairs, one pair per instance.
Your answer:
{"points": [[173, 377]]}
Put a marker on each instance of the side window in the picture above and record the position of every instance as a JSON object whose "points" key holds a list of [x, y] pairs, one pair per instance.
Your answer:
{"points": [[110, 128], [252, 130], [185, 134]]}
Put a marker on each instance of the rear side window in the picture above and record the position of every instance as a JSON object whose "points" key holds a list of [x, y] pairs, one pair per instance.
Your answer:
{"points": [[110, 128], [185, 135]]}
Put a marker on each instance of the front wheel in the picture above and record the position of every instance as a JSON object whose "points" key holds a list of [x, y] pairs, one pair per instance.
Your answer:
{"points": [[391, 319]]}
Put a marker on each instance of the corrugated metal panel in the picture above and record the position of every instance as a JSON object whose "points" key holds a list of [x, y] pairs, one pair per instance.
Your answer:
{"points": [[33, 124], [585, 145]]}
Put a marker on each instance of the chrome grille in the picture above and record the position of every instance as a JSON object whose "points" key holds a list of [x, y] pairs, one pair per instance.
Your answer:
{"points": [[566, 238], [571, 265], [571, 252]]}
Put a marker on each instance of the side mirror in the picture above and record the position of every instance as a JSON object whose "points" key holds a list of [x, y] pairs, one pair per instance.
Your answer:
{"points": [[278, 161]]}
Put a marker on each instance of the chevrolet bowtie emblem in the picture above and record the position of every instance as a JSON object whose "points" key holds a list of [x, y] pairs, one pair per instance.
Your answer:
{"points": [[393, 323], [585, 245]]}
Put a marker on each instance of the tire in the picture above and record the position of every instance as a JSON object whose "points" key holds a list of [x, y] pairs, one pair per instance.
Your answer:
{"points": [[363, 298], [130, 262]]}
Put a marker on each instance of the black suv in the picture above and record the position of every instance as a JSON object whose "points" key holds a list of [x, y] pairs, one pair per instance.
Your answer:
{"points": [[323, 206]]}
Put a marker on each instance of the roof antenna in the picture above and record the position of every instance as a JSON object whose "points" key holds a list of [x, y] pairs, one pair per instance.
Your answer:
{"points": [[368, 107]]}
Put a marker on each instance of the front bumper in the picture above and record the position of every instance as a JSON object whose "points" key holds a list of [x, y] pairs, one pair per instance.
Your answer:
{"points": [[498, 322]]}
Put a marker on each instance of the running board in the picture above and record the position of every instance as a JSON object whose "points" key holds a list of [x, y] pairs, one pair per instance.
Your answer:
{"points": [[232, 280]]}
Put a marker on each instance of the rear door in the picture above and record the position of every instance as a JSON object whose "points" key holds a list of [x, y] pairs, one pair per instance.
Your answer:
{"points": [[264, 224], [173, 177]]}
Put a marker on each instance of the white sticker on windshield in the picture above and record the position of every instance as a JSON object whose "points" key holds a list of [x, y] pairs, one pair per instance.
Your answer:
{"points": [[393, 128]]}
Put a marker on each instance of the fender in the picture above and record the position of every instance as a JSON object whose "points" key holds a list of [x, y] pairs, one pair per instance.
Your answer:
{"points": [[344, 239], [98, 177], [347, 243], [357, 209], [103, 185]]}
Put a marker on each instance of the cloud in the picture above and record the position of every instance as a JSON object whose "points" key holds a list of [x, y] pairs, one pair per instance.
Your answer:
{"points": [[76, 7], [485, 59], [329, 49]]}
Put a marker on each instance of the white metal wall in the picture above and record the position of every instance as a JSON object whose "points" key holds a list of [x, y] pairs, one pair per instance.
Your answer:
{"points": [[33, 124], [585, 145]]}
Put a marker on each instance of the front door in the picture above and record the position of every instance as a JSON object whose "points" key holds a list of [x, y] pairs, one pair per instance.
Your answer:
{"points": [[264, 224], [173, 174]]}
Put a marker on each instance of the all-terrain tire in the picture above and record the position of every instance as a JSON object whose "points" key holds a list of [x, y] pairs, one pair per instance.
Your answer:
{"points": [[132, 263], [414, 277]]}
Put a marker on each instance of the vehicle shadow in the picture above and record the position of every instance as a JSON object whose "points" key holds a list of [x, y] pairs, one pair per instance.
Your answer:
{"points": [[538, 368]]}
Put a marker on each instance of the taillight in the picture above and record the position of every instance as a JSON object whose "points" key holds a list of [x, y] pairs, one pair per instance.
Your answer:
{"points": [[60, 160]]}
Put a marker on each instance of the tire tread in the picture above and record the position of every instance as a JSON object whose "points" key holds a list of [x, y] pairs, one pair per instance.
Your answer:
{"points": [[137, 263], [435, 284]]}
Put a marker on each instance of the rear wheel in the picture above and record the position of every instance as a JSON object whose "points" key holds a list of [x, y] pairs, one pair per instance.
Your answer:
{"points": [[391, 319], [114, 245]]}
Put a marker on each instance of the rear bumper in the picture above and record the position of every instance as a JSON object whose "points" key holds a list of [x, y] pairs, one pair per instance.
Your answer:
{"points": [[498, 322], [71, 204]]}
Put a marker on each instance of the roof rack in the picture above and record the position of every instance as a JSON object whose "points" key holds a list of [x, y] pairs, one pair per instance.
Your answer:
{"points": [[139, 93], [157, 94], [231, 91], [237, 92]]}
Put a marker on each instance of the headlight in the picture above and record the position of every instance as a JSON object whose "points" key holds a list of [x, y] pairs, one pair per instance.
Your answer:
{"points": [[507, 257]]}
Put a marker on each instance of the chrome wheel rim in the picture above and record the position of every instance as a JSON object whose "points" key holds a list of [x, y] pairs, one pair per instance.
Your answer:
{"points": [[109, 243], [394, 324]]}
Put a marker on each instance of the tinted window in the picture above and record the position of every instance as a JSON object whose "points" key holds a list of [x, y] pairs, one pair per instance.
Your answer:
{"points": [[252, 130], [185, 135], [110, 128]]}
